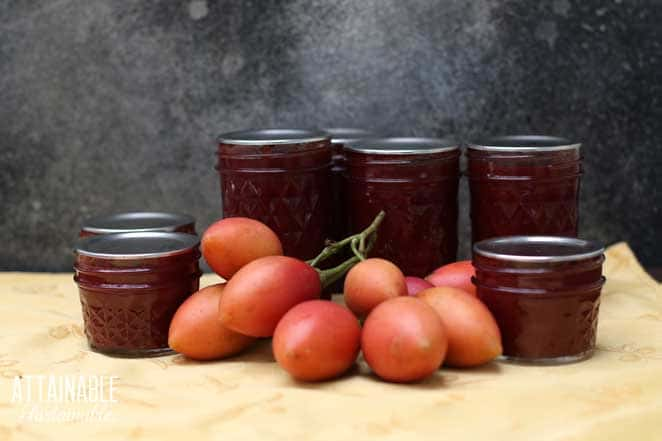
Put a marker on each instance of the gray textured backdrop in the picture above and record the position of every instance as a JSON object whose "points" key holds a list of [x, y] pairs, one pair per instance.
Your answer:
{"points": [[113, 105]]}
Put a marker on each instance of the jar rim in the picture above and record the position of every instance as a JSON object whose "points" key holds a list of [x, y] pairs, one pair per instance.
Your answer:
{"points": [[136, 245], [402, 145], [543, 249], [344, 135], [523, 143], [136, 221], [272, 136]]}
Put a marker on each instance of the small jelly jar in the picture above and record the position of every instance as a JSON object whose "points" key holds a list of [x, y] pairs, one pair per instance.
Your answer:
{"points": [[281, 177], [415, 181], [341, 136], [524, 185], [544, 292], [136, 221], [130, 286]]}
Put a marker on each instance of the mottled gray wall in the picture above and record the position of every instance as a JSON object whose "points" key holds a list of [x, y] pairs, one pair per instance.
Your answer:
{"points": [[113, 105]]}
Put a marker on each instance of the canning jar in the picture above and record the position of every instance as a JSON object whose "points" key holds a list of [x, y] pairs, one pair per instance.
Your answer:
{"points": [[415, 181], [130, 286], [524, 185], [341, 136], [544, 292], [282, 178], [138, 221]]}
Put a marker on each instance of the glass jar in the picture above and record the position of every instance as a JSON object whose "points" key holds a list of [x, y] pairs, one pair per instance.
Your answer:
{"points": [[544, 292], [130, 286], [138, 221], [339, 138], [415, 181], [524, 185], [282, 178]]}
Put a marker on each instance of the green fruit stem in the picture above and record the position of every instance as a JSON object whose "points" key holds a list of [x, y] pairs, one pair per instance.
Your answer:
{"points": [[360, 244], [329, 276]]}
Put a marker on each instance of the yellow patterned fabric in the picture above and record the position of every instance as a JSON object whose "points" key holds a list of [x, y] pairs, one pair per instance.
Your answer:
{"points": [[616, 395]]}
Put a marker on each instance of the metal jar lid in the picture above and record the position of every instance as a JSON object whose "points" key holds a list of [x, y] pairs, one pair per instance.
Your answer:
{"points": [[538, 249], [140, 245], [137, 221], [272, 137], [345, 135], [524, 143], [402, 146]]}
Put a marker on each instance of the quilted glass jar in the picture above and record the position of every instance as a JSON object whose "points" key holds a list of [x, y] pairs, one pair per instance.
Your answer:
{"points": [[544, 292], [138, 221], [130, 286], [524, 185], [341, 136], [415, 181], [282, 178]]}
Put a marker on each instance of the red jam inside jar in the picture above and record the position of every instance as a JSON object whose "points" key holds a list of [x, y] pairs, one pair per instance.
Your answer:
{"points": [[524, 185], [415, 181], [130, 286], [544, 292], [138, 221], [282, 178], [339, 138]]}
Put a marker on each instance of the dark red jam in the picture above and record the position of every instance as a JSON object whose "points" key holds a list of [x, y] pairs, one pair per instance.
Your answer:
{"points": [[281, 178], [138, 221], [339, 138], [130, 286], [544, 293], [415, 181], [524, 185]]}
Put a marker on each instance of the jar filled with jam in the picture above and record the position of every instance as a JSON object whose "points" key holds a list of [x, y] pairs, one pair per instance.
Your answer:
{"points": [[130, 286], [138, 221], [281, 177], [415, 181], [544, 292], [524, 185], [341, 136]]}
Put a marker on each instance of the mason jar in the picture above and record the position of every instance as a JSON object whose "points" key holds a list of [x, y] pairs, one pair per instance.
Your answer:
{"points": [[340, 137], [524, 185], [415, 181], [544, 292], [138, 221], [281, 177], [130, 286]]}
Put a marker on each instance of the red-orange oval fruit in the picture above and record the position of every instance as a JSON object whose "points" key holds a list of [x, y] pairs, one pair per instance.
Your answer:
{"points": [[456, 275], [403, 340], [261, 292], [230, 243], [473, 335], [196, 332], [370, 282], [317, 340]]}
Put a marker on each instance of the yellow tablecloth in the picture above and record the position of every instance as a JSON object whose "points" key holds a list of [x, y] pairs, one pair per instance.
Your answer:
{"points": [[616, 395]]}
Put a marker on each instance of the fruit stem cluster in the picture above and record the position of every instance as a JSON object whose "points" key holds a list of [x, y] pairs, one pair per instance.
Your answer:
{"points": [[360, 244]]}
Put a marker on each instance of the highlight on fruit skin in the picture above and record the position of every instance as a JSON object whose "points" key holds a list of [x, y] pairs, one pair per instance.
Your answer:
{"points": [[230, 243], [403, 340], [317, 340], [261, 292], [371, 282], [473, 335], [196, 332]]}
